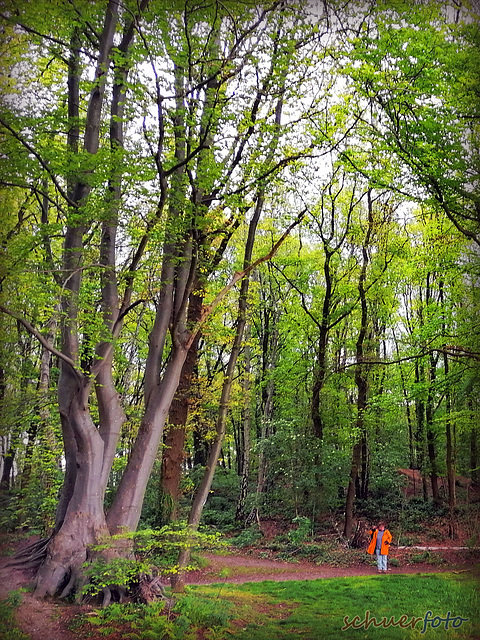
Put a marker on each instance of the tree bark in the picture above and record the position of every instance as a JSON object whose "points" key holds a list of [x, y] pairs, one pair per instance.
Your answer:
{"points": [[84, 522], [270, 357], [240, 511], [174, 443], [8, 460], [201, 495], [429, 418], [361, 378], [420, 430], [411, 436], [80, 518], [450, 453], [127, 505]]}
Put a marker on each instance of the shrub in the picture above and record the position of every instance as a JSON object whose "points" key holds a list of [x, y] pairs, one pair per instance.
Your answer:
{"points": [[220, 508], [154, 621], [8, 628], [427, 557], [247, 537], [303, 530], [151, 550], [119, 571]]}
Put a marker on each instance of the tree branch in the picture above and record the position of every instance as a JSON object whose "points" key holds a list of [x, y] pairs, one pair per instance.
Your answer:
{"points": [[43, 341], [453, 351], [29, 148], [239, 275]]}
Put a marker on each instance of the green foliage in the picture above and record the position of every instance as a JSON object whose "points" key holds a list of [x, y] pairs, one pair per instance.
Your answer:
{"points": [[418, 514], [157, 507], [219, 510], [159, 547], [155, 622], [33, 506], [329, 552], [150, 550], [247, 538], [143, 621], [414, 69], [409, 541], [294, 471], [303, 531], [383, 506], [427, 557], [8, 628], [119, 571]]}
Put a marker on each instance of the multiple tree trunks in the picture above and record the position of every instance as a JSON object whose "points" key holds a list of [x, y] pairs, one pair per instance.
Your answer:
{"points": [[210, 180]]}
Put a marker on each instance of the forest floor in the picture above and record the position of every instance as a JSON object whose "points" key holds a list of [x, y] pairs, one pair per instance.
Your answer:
{"points": [[50, 619]]}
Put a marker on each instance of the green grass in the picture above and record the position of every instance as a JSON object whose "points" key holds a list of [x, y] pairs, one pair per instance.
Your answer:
{"points": [[316, 609], [310, 609]]}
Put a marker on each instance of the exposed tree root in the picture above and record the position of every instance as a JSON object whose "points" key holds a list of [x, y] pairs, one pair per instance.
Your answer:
{"points": [[60, 572], [150, 588], [32, 556]]}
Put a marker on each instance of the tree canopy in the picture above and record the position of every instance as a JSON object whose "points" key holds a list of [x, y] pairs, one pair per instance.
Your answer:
{"points": [[236, 234]]}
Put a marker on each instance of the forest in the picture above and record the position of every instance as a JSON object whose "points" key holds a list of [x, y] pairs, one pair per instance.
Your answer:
{"points": [[239, 272]]}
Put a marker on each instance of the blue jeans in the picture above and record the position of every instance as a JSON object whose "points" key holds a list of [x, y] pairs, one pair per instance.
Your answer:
{"points": [[381, 561]]}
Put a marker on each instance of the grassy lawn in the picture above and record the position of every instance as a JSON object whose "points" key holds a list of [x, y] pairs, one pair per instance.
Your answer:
{"points": [[317, 609], [310, 609]]}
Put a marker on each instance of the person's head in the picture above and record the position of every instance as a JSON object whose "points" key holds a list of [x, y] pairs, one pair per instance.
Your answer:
{"points": [[381, 526]]}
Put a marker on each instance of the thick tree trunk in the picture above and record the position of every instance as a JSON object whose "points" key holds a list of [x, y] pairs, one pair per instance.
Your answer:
{"points": [[84, 522], [127, 505], [80, 518], [174, 443], [172, 460], [112, 418]]}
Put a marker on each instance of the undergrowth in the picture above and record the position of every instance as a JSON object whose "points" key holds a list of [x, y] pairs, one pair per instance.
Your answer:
{"points": [[151, 552], [189, 616], [8, 628]]}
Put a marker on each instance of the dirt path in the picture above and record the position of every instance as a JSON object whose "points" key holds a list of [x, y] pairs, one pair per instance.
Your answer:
{"points": [[49, 619], [237, 569]]}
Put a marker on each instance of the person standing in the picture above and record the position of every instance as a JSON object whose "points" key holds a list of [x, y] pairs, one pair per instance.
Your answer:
{"points": [[380, 539]]}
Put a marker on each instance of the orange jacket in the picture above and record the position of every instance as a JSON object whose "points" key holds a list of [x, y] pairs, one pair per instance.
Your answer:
{"points": [[387, 538]]}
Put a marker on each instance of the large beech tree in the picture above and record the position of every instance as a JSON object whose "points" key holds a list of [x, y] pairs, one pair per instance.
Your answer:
{"points": [[157, 133]]}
